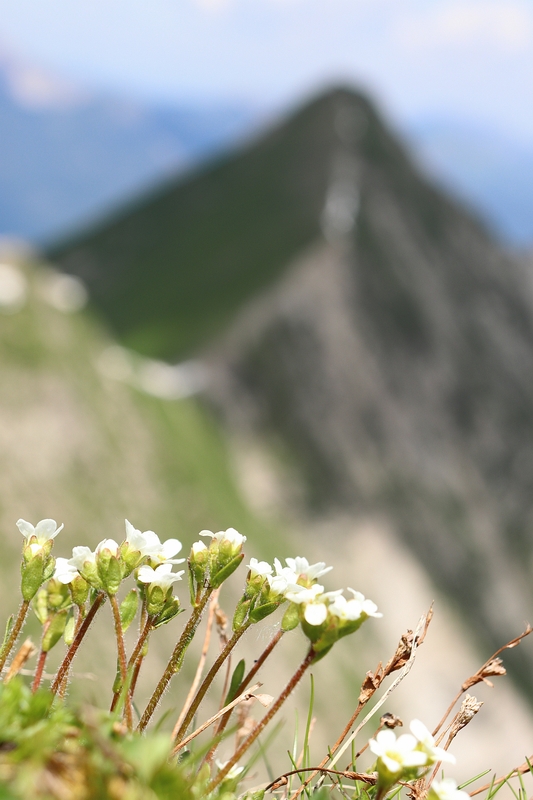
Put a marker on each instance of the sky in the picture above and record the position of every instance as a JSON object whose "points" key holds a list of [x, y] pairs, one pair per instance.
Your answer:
{"points": [[465, 59]]}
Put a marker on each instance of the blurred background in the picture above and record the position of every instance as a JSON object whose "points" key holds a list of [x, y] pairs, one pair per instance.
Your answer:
{"points": [[268, 265]]}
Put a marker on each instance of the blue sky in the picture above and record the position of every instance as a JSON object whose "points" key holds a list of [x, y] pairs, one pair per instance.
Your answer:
{"points": [[469, 59]]}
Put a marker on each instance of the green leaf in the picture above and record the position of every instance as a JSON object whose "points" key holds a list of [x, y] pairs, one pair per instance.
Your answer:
{"points": [[263, 611], [219, 577], [291, 618], [70, 627], [236, 680], [128, 609]]}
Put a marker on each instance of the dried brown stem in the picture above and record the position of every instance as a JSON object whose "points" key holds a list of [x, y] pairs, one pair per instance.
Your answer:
{"points": [[365, 777], [491, 668]]}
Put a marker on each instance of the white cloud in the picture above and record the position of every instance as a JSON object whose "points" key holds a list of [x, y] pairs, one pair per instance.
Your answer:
{"points": [[502, 24]]}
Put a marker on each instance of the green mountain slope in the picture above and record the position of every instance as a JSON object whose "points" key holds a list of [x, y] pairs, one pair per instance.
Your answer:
{"points": [[169, 272]]}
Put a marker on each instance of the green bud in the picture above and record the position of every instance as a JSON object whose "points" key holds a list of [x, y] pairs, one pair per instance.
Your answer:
{"points": [[59, 596], [32, 576], [131, 559], [55, 630], [70, 628], [109, 571], [79, 590], [128, 609], [260, 612], [155, 599], [170, 610], [291, 618], [236, 680], [40, 605], [241, 613]]}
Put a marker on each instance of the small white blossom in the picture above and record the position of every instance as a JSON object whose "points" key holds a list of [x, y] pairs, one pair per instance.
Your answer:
{"points": [[65, 572], [107, 544], [316, 601], [427, 743], [45, 530], [198, 547], [161, 576], [301, 567], [446, 789], [397, 754], [351, 610], [80, 556], [230, 535], [261, 568], [149, 544]]}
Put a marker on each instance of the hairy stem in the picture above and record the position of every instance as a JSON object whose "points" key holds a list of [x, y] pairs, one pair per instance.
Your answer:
{"points": [[176, 659], [123, 665], [246, 681], [208, 680], [248, 742], [39, 671], [73, 649], [132, 663], [13, 636]]}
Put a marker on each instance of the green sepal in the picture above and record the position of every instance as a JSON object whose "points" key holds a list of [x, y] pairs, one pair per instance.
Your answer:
{"points": [[170, 610], [291, 618], [40, 605], [241, 613], [320, 654], [32, 577], [117, 683], [260, 612], [58, 595], [128, 609], [49, 569], [155, 600], [113, 575], [79, 590], [55, 630], [192, 590], [70, 629], [236, 680], [219, 577]]}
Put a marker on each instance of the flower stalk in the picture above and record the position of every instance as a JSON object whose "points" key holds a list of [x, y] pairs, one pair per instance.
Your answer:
{"points": [[73, 649], [176, 659], [259, 728], [14, 635], [208, 680]]}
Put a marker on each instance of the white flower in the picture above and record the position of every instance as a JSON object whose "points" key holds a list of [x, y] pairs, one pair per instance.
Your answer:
{"points": [[65, 572], [427, 742], [279, 585], [198, 547], [261, 568], [80, 556], [285, 572], [161, 576], [351, 610], [302, 568], [106, 544], [230, 535], [446, 789], [149, 544], [316, 601], [45, 530], [234, 772], [397, 754]]}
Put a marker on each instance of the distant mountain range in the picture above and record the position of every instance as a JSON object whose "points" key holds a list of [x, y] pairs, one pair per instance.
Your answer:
{"points": [[63, 166], [68, 157], [350, 310]]}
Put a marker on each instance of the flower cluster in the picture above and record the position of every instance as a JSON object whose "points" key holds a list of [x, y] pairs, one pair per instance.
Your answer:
{"points": [[402, 758]]}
